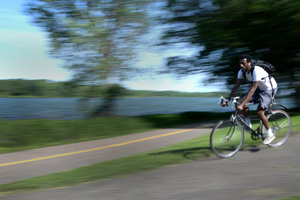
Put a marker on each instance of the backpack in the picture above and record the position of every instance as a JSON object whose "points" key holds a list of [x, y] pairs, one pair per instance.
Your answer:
{"points": [[268, 67]]}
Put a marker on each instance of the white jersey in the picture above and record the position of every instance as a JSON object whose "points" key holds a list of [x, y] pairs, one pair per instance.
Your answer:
{"points": [[259, 74]]}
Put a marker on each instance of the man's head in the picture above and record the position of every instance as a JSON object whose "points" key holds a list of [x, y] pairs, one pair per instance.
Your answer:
{"points": [[245, 62]]}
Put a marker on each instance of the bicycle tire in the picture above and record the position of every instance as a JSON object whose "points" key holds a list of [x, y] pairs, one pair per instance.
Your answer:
{"points": [[281, 125], [226, 138]]}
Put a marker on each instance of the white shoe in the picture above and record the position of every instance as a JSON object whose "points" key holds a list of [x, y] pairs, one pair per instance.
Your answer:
{"points": [[269, 139]]}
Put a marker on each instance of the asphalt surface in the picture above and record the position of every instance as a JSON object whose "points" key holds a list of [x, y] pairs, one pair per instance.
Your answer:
{"points": [[260, 173], [37, 162]]}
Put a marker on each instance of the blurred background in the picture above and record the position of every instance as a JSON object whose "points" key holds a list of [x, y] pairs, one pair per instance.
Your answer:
{"points": [[80, 70], [76, 59]]}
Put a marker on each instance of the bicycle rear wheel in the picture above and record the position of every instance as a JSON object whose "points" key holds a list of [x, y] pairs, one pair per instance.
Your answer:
{"points": [[226, 138], [281, 126]]}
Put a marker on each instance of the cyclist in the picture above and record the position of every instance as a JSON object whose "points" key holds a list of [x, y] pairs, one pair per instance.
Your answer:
{"points": [[262, 88]]}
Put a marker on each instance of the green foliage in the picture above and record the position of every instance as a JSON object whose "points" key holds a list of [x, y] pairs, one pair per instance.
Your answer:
{"points": [[292, 198], [224, 29], [94, 38], [27, 134], [113, 91], [148, 93], [45, 88], [40, 88]]}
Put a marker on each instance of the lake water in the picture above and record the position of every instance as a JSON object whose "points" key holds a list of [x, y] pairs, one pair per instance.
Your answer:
{"points": [[74, 108]]}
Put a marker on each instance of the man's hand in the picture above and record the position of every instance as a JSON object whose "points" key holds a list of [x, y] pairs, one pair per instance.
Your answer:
{"points": [[240, 107], [225, 103]]}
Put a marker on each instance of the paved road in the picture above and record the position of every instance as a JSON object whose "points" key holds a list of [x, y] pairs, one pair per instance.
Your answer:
{"points": [[37, 162], [262, 173]]}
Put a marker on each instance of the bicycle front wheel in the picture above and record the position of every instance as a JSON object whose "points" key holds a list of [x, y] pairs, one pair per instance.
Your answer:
{"points": [[226, 138], [281, 125]]}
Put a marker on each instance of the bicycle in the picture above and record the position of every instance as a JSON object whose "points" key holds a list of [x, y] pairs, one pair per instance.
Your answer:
{"points": [[227, 137]]}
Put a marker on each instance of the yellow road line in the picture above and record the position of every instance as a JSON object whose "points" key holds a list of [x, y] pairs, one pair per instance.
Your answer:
{"points": [[95, 149]]}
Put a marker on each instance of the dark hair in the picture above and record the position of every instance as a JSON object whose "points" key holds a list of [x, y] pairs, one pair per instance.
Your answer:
{"points": [[246, 56]]}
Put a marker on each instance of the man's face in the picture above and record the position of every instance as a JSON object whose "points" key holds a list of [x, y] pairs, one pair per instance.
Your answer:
{"points": [[244, 64]]}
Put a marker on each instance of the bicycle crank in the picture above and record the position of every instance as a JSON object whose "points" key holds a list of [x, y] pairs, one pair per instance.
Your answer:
{"points": [[254, 136]]}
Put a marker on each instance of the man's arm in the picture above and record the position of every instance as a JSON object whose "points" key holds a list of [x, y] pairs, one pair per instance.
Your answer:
{"points": [[235, 88], [249, 95], [233, 91]]}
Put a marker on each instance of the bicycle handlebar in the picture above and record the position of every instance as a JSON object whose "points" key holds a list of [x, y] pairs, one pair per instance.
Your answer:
{"points": [[235, 100]]}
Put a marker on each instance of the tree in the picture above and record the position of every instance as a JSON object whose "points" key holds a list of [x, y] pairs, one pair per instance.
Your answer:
{"points": [[95, 38], [110, 92], [224, 29]]}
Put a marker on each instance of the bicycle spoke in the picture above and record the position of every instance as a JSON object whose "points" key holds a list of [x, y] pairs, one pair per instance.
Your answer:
{"points": [[226, 138], [281, 126]]}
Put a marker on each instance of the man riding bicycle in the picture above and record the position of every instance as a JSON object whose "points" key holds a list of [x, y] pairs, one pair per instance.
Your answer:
{"points": [[263, 89]]}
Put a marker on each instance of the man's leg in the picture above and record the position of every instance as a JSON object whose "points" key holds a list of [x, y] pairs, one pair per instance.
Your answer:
{"points": [[270, 136], [262, 117], [247, 115]]}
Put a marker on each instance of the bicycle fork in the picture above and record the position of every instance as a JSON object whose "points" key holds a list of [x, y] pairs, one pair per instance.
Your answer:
{"points": [[230, 132]]}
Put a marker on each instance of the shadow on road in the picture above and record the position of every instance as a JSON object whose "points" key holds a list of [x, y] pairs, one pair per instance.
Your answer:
{"points": [[189, 154]]}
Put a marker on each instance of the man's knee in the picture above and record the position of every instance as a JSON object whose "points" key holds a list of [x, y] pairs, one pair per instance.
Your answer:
{"points": [[246, 111], [260, 111]]}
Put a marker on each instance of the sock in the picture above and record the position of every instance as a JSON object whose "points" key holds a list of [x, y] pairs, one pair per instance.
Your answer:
{"points": [[269, 132], [248, 121]]}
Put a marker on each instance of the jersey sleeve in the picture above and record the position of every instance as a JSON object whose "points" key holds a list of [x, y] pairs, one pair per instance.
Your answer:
{"points": [[240, 75]]}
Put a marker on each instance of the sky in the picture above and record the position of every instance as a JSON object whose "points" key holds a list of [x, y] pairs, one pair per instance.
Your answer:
{"points": [[24, 53]]}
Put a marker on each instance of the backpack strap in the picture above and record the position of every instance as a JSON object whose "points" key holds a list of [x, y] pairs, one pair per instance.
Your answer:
{"points": [[270, 77], [252, 69], [253, 63]]}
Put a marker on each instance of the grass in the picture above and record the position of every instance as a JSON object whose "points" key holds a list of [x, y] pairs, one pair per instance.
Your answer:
{"points": [[20, 135], [188, 151]]}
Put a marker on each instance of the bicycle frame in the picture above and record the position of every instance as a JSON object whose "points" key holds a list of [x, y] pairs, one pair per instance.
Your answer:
{"points": [[254, 134]]}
